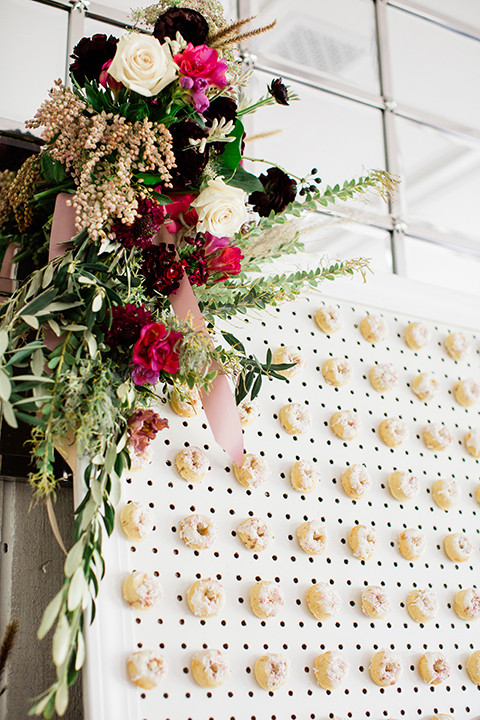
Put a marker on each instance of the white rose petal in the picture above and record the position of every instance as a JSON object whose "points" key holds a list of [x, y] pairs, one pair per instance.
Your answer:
{"points": [[142, 64], [221, 209]]}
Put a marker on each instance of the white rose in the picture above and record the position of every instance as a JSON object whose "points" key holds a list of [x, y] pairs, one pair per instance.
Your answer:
{"points": [[142, 64], [221, 209]]}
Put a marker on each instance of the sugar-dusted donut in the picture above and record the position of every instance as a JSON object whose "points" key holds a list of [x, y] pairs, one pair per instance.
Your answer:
{"points": [[472, 442], [312, 537], [255, 534], [323, 601], [473, 667], [186, 403], [295, 418], [422, 605], [141, 590], [210, 668], [192, 464], [304, 476], [137, 520], [437, 436], [403, 485], [417, 335], [374, 328], [383, 377], [458, 547], [206, 597], [329, 319], [411, 543], [393, 432], [426, 386], [248, 411], [198, 531], [386, 668], [266, 599], [446, 493], [356, 481], [272, 670], [434, 668], [375, 602], [345, 424], [363, 542], [467, 604], [289, 354], [146, 668], [337, 371], [467, 392], [457, 346], [331, 669], [254, 471]]}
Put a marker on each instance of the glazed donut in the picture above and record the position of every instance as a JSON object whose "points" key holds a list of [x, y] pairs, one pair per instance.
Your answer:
{"points": [[473, 667], [331, 669], [255, 534], [206, 597], [467, 392], [458, 547], [141, 590], [363, 542], [295, 418], [375, 602], [345, 424], [425, 386], [304, 476], [198, 531], [467, 604], [442, 716], [356, 481], [437, 436], [210, 668], [457, 346], [422, 605], [472, 442], [146, 668], [323, 601], [403, 485], [266, 599], [446, 493], [393, 432], [411, 543], [186, 403], [289, 354], [312, 537], [137, 520], [329, 319], [374, 328], [192, 464], [337, 371], [248, 410], [253, 472], [417, 335], [434, 668], [386, 668], [140, 460], [383, 377], [272, 671]]}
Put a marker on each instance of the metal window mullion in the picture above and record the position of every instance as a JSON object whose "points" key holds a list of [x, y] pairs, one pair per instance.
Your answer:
{"points": [[437, 18]]}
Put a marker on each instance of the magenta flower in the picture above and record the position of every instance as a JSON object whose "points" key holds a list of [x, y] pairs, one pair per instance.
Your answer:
{"points": [[156, 350], [143, 427], [141, 375], [227, 262], [202, 62], [107, 80]]}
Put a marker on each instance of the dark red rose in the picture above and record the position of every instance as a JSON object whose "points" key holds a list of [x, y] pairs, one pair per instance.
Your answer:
{"points": [[189, 161], [157, 349], [280, 189], [278, 91], [191, 25], [90, 55], [147, 223], [161, 269], [127, 321]]}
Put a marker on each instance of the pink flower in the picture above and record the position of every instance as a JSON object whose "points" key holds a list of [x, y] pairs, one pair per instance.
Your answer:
{"points": [[108, 80], [157, 349], [202, 62], [222, 257], [143, 426], [180, 208]]}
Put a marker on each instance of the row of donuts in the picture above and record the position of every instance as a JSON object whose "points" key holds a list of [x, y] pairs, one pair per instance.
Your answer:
{"points": [[206, 598], [210, 668]]}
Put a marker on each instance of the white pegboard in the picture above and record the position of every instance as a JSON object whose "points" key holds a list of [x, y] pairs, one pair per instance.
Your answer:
{"points": [[118, 630]]}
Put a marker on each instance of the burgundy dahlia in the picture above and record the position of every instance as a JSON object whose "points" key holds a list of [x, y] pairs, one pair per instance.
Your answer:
{"points": [[278, 91], [191, 25], [221, 107], [90, 55], [127, 322], [279, 190], [147, 223], [161, 269], [190, 163]]}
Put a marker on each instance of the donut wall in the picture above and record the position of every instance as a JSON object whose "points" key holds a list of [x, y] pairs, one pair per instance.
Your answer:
{"points": [[171, 628]]}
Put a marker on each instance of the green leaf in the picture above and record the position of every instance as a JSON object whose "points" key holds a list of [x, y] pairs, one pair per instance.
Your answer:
{"points": [[74, 558], [50, 615], [38, 303], [5, 386], [32, 321], [9, 414], [61, 641], [76, 589], [148, 179], [232, 155], [109, 517], [244, 180]]}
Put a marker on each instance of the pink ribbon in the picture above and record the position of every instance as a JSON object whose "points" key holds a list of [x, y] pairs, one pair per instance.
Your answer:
{"points": [[63, 226], [7, 280]]}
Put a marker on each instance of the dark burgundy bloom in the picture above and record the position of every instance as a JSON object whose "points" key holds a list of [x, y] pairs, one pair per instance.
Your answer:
{"points": [[191, 25], [127, 322], [161, 268], [147, 223], [189, 161], [90, 55], [196, 267], [221, 107], [280, 189], [278, 91]]}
